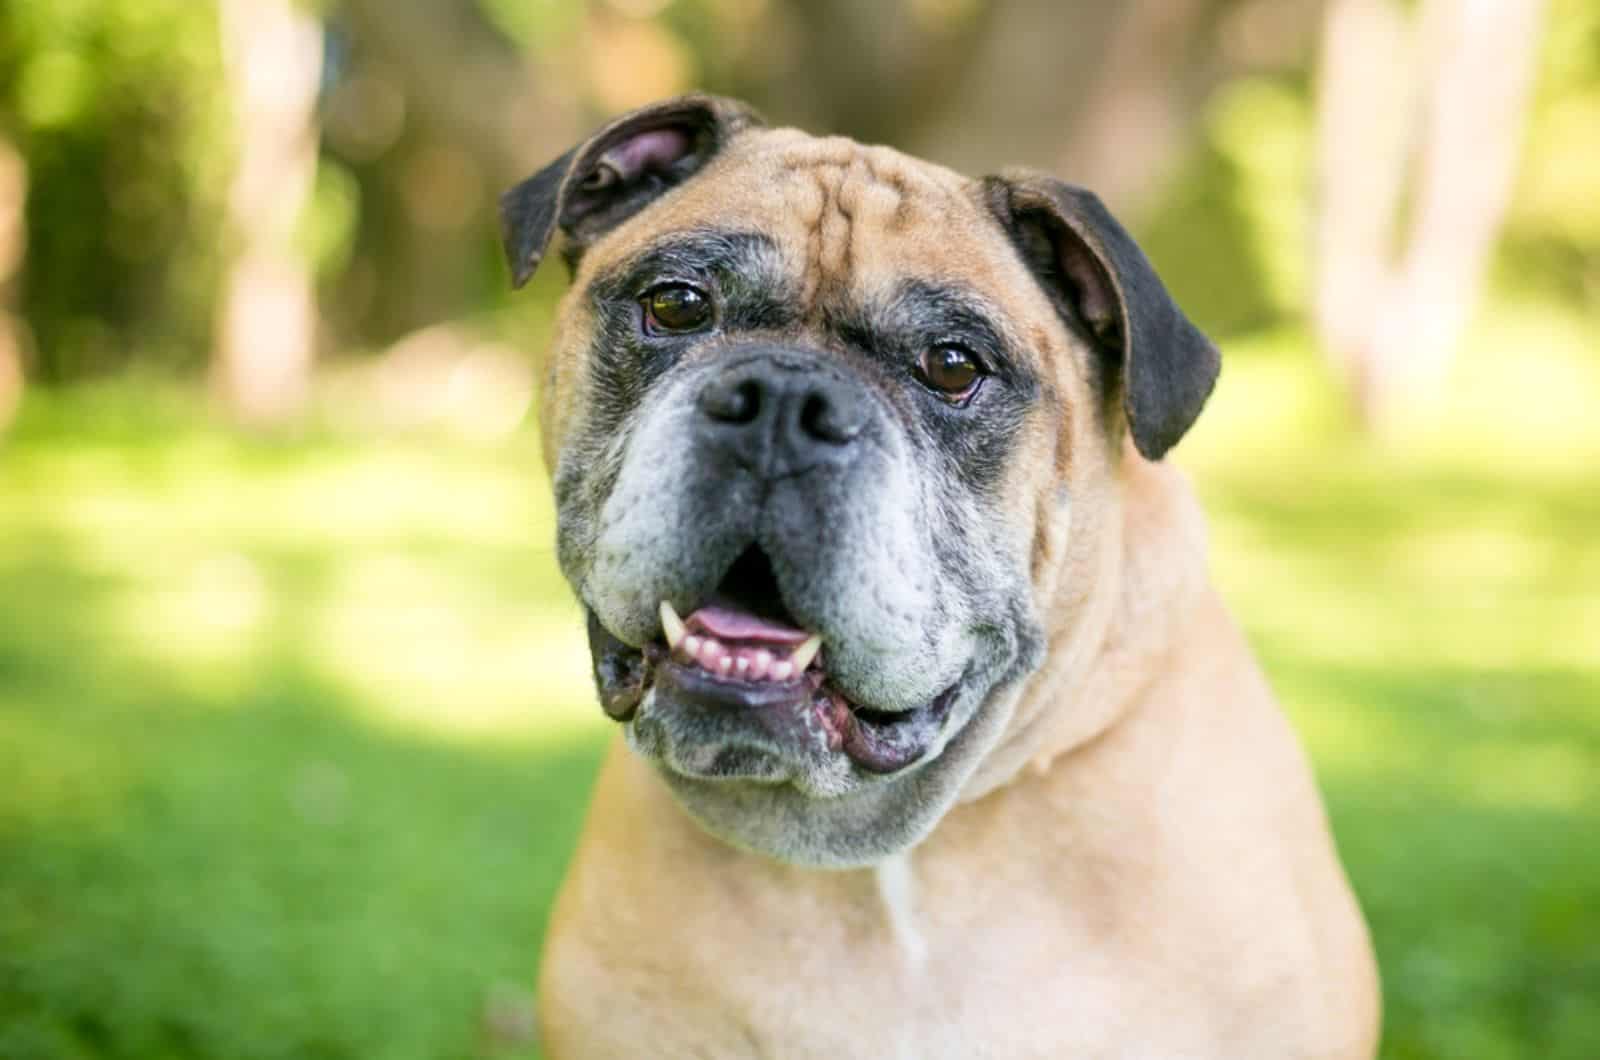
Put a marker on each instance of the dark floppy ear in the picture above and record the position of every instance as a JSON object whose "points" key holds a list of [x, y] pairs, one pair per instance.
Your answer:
{"points": [[1083, 255], [614, 174]]}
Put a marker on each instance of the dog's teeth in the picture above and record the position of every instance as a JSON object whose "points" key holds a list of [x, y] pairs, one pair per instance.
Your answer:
{"points": [[671, 625], [805, 652], [760, 661], [710, 653], [782, 670], [691, 646], [741, 665], [725, 664]]}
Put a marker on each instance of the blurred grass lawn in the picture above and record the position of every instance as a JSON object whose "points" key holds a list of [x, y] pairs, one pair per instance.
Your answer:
{"points": [[296, 736]]}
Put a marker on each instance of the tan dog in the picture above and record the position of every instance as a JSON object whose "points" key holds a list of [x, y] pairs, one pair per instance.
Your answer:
{"points": [[936, 741]]}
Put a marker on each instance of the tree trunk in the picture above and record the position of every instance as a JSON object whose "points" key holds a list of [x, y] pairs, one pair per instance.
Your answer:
{"points": [[1144, 99], [1454, 89], [996, 116], [13, 245], [1128, 82], [478, 118], [463, 80], [267, 324]]}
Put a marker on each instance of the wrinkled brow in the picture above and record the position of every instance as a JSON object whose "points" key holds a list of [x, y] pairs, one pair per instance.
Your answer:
{"points": [[918, 312], [744, 265]]}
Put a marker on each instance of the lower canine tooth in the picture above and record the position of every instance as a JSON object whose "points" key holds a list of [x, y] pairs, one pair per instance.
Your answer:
{"points": [[691, 646]]}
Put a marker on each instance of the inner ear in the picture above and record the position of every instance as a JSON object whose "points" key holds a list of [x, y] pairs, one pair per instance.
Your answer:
{"points": [[654, 149], [613, 175], [627, 168], [1091, 291], [1057, 253]]}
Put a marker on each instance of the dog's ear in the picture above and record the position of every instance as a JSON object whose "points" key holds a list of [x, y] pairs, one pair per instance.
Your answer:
{"points": [[1085, 258], [614, 174]]}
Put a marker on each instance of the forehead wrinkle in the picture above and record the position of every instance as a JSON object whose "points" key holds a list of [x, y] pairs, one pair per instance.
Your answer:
{"points": [[833, 208], [857, 192], [827, 232], [831, 232]]}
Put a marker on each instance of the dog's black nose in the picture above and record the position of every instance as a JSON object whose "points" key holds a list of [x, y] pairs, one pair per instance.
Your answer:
{"points": [[781, 414]]}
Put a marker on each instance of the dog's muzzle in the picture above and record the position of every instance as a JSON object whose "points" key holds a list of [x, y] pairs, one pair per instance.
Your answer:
{"points": [[737, 685]]}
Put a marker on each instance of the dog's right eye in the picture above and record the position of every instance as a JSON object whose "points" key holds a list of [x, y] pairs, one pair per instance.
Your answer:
{"points": [[950, 370], [675, 308]]}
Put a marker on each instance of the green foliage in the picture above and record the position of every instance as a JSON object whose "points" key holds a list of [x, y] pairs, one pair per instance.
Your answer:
{"points": [[327, 230], [539, 25], [1552, 236], [1229, 232], [115, 106]]}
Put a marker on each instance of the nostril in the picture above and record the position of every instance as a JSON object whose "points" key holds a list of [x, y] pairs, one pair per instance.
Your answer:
{"points": [[820, 419], [733, 402]]}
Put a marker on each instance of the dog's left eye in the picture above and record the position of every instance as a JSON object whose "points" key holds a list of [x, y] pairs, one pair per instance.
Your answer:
{"points": [[675, 308], [950, 370]]}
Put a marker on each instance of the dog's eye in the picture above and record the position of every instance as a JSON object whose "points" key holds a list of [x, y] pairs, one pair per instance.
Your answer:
{"points": [[676, 308], [950, 370]]}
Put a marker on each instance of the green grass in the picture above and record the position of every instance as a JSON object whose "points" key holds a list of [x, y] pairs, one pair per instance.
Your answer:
{"points": [[295, 736]]}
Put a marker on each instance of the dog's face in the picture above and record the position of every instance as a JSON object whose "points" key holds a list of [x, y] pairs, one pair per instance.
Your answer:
{"points": [[818, 415]]}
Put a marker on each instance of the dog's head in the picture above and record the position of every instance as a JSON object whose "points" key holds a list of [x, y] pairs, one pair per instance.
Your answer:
{"points": [[822, 419]]}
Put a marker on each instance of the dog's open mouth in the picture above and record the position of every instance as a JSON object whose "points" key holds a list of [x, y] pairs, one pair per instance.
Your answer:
{"points": [[742, 651]]}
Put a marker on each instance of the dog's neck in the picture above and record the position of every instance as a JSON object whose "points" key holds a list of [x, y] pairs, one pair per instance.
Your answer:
{"points": [[1091, 680]]}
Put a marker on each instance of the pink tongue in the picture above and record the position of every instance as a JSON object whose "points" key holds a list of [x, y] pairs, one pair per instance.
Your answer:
{"points": [[725, 623]]}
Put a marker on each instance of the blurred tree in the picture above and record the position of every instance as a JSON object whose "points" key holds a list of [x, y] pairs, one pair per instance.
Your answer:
{"points": [[114, 105], [436, 110], [1040, 69], [1107, 93], [13, 241], [156, 196], [1424, 120], [1551, 242], [881, 72], [267, 321]]}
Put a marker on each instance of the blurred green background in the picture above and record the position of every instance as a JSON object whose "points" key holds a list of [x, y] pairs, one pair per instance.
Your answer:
{"points": [[295, 724]]}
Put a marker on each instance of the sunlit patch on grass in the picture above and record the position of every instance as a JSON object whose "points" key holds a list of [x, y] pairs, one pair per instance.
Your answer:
{"points": [[1351, 737], [447, 653], [401, 492], [212, 612], [1262, 410], [1523, 396], [1546, 775]]}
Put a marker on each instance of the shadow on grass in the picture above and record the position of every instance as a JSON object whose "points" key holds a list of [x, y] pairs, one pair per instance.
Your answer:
{"points": [[261, 876], [1464, 801], [213, 840], [1483, 921]]}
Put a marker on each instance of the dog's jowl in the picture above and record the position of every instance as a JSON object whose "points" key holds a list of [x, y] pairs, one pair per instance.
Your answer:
{"points": [[933, 739]]}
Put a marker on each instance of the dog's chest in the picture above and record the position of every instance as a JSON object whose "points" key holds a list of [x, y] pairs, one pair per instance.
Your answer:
{"points": [[984, 942], [881, 975]]}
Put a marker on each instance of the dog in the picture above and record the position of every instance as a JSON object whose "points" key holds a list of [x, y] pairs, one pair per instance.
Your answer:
{"points": [[934, 739]]}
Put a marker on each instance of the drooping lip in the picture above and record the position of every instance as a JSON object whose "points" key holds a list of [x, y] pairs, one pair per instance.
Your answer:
{"points": [[798, 707]]}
